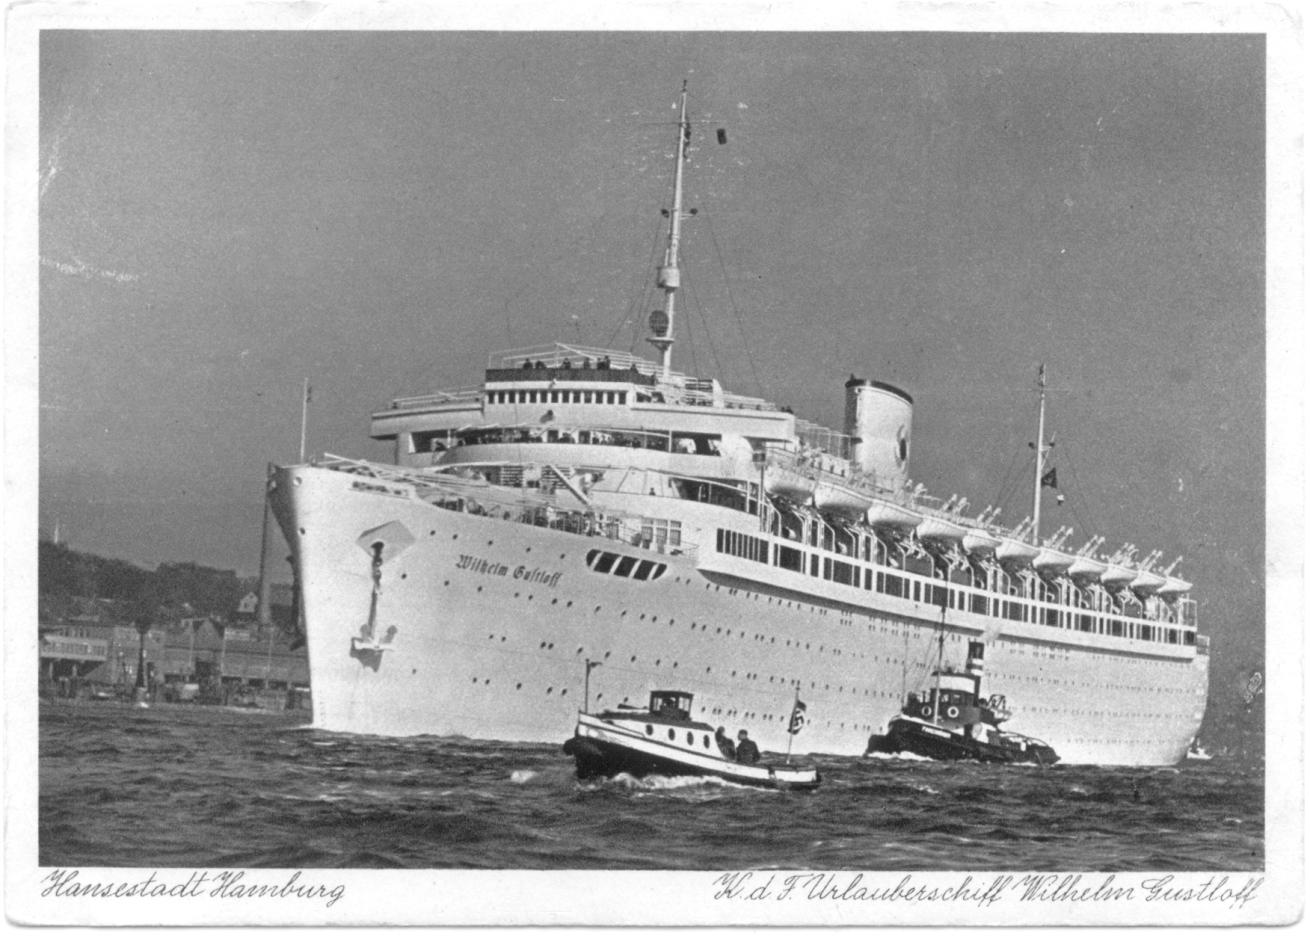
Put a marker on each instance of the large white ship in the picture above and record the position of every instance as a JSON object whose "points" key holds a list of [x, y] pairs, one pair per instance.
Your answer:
{"points": [[586, 508]]}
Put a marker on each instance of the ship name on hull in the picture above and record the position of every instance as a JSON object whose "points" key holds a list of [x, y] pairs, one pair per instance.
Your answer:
{"points": [[480, 566]]}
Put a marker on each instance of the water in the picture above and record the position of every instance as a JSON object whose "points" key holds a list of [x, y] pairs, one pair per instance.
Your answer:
{"points": [[200, 787]]}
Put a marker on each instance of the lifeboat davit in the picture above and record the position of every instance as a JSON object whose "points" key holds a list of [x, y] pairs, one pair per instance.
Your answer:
{"points": [[1115, 575], [1052, 561], [788, 482], [1147, 582], [1013, 552], [1085, 567], [838, 498], [940, 530], [980, 542], [886, 515], [1173, 586]]}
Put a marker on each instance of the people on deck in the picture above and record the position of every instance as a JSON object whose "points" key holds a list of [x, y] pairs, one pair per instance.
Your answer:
{"points": [[726, 747], [747, 751]]}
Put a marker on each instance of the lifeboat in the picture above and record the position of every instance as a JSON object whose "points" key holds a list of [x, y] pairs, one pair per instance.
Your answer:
{"points": [[1115, 576], [1147, 582], [1013, 552], [940, 529], [1052, 561], [838, 498], [1086, 567], [1173, 586], [980, 542], [789, 482], [886, 515]]}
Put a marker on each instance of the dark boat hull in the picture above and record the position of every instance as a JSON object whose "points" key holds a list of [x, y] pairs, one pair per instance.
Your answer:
{"points": [[596, 758], [937, 743]]}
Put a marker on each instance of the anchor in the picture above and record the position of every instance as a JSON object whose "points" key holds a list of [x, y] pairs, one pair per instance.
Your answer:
{"points": [[383, 544]]}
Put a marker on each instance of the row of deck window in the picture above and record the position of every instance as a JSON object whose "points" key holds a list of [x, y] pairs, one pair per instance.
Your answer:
{"points": [[607, 397], [643, 570], [683, 443], [731, 542]]}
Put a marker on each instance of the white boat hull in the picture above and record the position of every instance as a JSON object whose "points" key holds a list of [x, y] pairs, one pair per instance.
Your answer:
{"points": [[493, 619]]}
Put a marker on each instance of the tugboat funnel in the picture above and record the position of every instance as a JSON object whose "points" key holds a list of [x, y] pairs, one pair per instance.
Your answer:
{"points": [[974, 666]]}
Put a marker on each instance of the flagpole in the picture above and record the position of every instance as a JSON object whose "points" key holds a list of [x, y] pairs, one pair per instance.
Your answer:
{"points": [[304, 417], [790, 733]]}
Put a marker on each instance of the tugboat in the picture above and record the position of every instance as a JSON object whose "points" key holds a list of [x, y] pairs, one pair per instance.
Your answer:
{"points": [[662, 739], [952, 721]]}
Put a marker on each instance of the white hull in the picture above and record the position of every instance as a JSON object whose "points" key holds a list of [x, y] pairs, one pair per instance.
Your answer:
{"points": [[493, 620]]}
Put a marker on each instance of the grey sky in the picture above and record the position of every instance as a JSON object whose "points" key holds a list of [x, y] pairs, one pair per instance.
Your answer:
{"points": [[225, 214]]}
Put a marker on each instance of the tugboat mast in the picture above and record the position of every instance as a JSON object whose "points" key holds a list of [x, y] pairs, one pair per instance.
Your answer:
{"points": [[1042, 448], [937, 682], [661, 321]]}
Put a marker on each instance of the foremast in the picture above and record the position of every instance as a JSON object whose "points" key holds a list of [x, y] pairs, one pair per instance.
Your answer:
{"points": [[668, 277]]}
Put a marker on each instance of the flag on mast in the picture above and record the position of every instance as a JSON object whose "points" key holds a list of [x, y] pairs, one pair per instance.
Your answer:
{"points": [[1049, 480], [797, 721]]}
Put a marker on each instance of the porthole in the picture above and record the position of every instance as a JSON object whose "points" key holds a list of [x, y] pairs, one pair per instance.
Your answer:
{"points": [[672, 734], [650, 729], [705, 739], [691, 739]]}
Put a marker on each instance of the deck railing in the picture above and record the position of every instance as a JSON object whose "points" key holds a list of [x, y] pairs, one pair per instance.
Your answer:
{"points": [[528, 506]]}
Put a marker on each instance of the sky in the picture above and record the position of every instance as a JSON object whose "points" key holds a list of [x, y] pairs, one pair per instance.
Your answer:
{"points": [[223, 215]]}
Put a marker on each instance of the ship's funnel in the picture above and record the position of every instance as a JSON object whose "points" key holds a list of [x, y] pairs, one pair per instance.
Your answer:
{"points": [[879, 419]]}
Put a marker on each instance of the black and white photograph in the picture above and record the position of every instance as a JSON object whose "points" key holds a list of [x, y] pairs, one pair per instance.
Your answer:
{"points": [[844, 466]]}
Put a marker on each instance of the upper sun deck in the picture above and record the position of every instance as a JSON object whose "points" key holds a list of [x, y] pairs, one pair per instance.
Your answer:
{"points": [[561, 364], [561, 373]]}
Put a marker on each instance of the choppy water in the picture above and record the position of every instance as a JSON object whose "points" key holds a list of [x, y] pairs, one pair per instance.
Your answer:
{"points": [[196, 787]]}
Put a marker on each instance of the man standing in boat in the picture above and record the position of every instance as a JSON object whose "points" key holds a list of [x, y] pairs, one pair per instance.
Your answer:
{"points": [[747, 751], [726, 747]]}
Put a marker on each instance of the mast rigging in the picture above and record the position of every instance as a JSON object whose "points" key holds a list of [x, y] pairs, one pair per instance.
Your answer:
{"points": [[668, 277]]}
